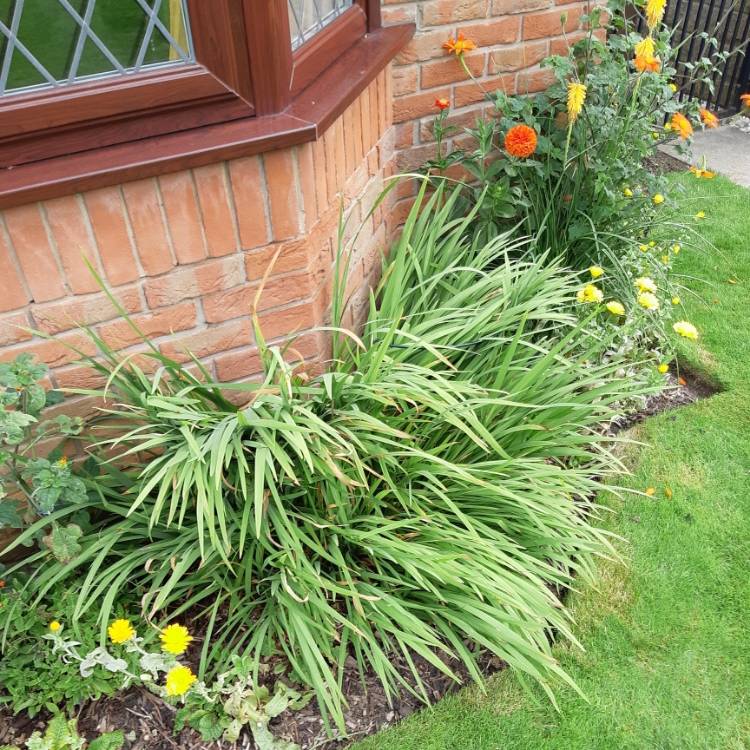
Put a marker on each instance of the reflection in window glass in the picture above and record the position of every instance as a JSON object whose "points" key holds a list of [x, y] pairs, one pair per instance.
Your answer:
{"points": [[51, 43], [308, 17]]}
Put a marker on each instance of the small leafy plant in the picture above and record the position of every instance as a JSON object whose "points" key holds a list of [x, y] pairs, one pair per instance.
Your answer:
{"points": [[62, 734], [33, 486]]}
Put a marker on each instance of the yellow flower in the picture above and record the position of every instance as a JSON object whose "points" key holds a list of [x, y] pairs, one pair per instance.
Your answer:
{"points": [[645, 284], [681, 125], [616, 308], [646, 47], [120, 631], [685, 329], [663, 368], [665, 259], [652, 243], [179, 680], [589, 293], [54, 626], [658, 199], [596, 272], [175, 639], [648, 300], [673, 88], [643, 248], [650, 491], [576, 98], [700, 173], [676, 248], [62, 462], [655, 136], [676, 300], [700, 215], [627, 192], [655, 12]]}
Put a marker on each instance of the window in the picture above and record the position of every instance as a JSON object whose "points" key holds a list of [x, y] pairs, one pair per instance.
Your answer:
{"points": [[96, 91], [49, 44]]}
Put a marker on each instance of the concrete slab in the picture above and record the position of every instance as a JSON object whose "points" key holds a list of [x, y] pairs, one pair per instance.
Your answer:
{"points": [[727, 150]]}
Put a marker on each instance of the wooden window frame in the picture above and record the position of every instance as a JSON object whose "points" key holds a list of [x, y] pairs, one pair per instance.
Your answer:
{"points": [[246, 80]]}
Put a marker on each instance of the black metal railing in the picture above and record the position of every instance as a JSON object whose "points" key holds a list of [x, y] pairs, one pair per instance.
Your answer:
{"points": [[728, 21]]}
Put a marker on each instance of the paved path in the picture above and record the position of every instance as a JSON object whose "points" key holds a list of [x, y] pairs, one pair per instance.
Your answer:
{"points": [[727, 150]]}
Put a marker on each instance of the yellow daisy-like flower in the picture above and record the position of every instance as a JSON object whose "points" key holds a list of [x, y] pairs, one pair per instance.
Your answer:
{"points": [[655, 12], [616, 308], [648, 300], [676, 300], [576, 98], [663, 368], [676, 248], [589, 293], [700, 215], [120, 631], [685, 329], [179, 680], [646, 47], [650, 491], [645, 284], [665, 259], [658, 199], [673, 88], [175, 639], [643, 248], [596, 272], [652, 243], [627, 192], [54, 626]]}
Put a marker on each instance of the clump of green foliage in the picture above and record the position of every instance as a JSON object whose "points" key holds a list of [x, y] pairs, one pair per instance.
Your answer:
{"points": [[62, 734], [427, 495]]}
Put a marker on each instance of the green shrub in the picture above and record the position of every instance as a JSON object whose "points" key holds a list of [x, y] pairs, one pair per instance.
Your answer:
{"points": [[428, 495]]}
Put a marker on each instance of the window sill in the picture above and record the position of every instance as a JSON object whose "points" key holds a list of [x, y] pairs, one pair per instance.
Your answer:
{"points": [[306, 119]]}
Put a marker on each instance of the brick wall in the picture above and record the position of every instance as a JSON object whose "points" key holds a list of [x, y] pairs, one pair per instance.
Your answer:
{"points": [[185, 252], [512, 38]]}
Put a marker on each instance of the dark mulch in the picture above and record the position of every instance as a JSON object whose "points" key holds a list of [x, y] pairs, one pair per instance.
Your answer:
{"points": [[663, 163], [148, 722]]}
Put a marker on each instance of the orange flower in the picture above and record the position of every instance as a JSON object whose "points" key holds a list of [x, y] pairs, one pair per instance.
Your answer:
{"points": [[745, 99], [647, 64], [709, 119], [442, 103], [520, 141], [458, 46], [681, 125]]}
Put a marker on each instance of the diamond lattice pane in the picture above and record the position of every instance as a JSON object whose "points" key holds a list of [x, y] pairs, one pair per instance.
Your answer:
{"points": [[308, 17], [50, 43]]}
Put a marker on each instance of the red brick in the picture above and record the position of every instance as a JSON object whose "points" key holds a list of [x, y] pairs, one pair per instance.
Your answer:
{"points": [[249, 203], [461, 120], [150, 234], [14, 294], [501, 7], [74, 242], [561, 46], [418, 105], [357, 115], [531, 81], [293, 256], [404, 14], [517, 57], [442, 12], [53, 352], [405, 81], [236, 365], [60, 316], [287, 322], [490, 33], [184, 283], [385, 102], [218, 222], [405, 134], [308, 189], [119, 334], [425, 46], [470, 93], [11, 328], [79, 376], [282, 194], [319, 165], [368, 135], [350, 150], [107, 215], [38, 265], [339, 151], [183, 216], [209, 341], [329, 147], [441, 72], [548, 24]]}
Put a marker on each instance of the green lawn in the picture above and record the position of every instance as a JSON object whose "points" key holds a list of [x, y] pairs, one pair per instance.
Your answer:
{"points": [[667, 634]]}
